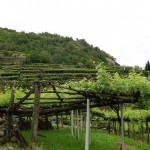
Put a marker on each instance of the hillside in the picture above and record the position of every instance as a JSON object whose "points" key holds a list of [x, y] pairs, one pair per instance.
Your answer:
{"points": [[50, 48]]}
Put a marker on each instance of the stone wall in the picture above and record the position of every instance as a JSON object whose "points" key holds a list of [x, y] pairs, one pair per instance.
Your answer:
{"points": [[14, 135], [3, 124]]}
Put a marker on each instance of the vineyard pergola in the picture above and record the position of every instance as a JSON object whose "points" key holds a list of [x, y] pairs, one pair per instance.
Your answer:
{"points": [[66, 99], [45, 97]]}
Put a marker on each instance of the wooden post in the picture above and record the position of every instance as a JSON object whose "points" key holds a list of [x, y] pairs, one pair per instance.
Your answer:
{"points": [[115, 127], [147, 126], [128, 122], [77, 124], [108, 126], [87, 139], [139, 129], [124, 122], [72, 122], [35, 116], [84, 122], [81, 122], [118, 128], [46, 122], [133, 130], [142, 130], [9, 114], [122, 128], [62, 122], [57, 127], [75, 131]]}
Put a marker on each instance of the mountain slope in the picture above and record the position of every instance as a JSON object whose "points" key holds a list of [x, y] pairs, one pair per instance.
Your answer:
{"points": [[51, 48]]}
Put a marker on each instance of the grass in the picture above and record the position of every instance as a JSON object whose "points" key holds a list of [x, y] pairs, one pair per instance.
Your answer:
{"points": [[63, 140], [9, 146]]}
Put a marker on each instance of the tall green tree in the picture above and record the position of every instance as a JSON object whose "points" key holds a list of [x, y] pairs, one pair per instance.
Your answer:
{"points": [[147, 66]]}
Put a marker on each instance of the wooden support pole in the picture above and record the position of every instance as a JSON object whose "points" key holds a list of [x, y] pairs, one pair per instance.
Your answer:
{"points": [[122, 128], [139, 130], [78, 132], [142, 131], [62, 122], [148, 136], [87, 138], [75, 122], [46, 122], [72, 133], [118, 127], [57, 127], [128, 123], [133, 130], [108, 126], [115, 128], [9, 114], [35, 116], [81, 121]]}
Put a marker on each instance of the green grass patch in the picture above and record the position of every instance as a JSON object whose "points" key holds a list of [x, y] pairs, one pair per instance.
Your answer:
{"points": [[63, 140]]}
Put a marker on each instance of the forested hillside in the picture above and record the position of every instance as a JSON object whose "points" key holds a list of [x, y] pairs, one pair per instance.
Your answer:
{"points": [[51, 48]]}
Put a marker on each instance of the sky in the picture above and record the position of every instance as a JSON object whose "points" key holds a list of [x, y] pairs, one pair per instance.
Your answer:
{"points": [[119, 27]]}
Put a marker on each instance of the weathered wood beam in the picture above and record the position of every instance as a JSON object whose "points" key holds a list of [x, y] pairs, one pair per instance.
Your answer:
{"points": [[54, 88], [24, 98], [35, 116], [62, 109], [69, 93], [51, 98]]}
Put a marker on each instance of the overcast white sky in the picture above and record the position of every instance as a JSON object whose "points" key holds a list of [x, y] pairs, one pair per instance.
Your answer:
{"points": [[119, 27]]}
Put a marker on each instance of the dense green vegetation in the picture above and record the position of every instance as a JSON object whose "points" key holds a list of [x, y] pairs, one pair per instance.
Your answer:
{"points": [[51, 48], [147, 66], [54, 49], [116, 84], [112, 83], [130, 113]]}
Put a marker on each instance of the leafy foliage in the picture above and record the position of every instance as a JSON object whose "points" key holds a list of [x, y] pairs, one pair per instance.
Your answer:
{"points": [[5, 97], [52, 48], [147, 66], [129, 113], [117, 84]]}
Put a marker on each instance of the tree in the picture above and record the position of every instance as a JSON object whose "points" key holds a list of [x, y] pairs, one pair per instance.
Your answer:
{"points": [[147, 66], [52, 48]]}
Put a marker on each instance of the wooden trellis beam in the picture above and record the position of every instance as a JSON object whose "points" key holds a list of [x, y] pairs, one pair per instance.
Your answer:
{"points": [[54, 88], [24, 98]]}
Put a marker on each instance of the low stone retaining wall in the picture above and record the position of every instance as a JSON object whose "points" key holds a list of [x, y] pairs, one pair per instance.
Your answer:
{"points": [[3, 124]]}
